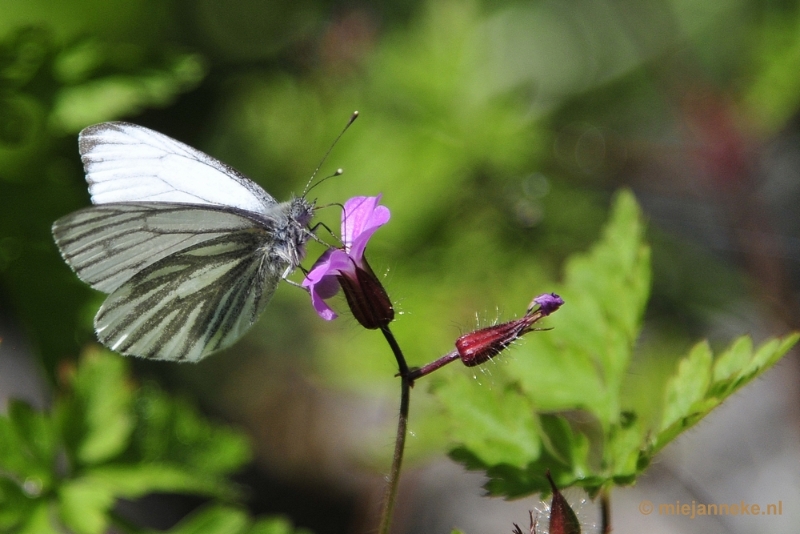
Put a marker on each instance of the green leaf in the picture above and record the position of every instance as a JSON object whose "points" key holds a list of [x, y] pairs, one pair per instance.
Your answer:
{"points": [[114, 96], [582, 363], [688, 386], [97, 418], [172, 431], [39, 521], [497, 425], [84, 506], [731, 362], [28, 447], [228, 520], [137, 480], [691, 394], [16, 506]]}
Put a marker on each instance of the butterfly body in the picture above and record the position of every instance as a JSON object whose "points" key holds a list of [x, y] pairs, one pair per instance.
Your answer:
{"points": [[189, 250]]}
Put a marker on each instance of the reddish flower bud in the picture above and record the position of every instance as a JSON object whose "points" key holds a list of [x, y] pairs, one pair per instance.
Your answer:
{"points": [[562, 518], [481, 345]]}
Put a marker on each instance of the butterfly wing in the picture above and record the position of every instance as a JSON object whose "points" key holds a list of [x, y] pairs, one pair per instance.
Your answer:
{"points": [[129, 163], [107, 244], [189, 249], [192, 302]]}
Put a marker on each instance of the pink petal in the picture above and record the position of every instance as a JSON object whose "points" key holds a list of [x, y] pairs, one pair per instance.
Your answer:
{"points": [[362, 215], [321, 281]]}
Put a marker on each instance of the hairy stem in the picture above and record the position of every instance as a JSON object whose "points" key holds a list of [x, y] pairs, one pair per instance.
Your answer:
{"points": [[400, 439]]}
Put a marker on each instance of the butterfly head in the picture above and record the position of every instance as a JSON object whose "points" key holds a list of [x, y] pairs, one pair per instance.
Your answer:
{"points": [[301, 211], [289, 247]]}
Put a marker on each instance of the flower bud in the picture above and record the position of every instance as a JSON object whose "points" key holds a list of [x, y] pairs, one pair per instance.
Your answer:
{"points": [[562, 517], [481, 345]]}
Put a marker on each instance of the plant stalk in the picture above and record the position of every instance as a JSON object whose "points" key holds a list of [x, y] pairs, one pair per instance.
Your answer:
{"points": [[400, 438]]}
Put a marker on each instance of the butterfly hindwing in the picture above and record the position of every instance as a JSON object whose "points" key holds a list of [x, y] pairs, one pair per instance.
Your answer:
{"points": [[192, 302], [129, 163]]}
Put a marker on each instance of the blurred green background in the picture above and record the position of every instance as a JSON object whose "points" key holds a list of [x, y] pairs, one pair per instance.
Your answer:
{"points": [[497, 133]]}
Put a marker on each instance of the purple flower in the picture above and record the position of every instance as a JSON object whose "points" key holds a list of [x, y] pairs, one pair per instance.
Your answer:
{"points": [[347, 268], [548, 303]]}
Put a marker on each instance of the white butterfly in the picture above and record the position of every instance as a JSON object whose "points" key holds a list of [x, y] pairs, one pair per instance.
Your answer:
{"points": [[189, 250]]}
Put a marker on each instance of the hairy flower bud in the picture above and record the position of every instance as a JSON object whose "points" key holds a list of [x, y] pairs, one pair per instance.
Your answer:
{"points": [[562, 517], [484, 344], [481, 345]]}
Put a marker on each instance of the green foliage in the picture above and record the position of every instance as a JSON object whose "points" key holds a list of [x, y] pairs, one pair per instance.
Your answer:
{"points": [[227, 520], [702, 382], [50, 88], [558, 403], [104, 440]]}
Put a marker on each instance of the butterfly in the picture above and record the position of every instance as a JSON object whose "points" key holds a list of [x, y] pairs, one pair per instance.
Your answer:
{"points": [[188, 249]]}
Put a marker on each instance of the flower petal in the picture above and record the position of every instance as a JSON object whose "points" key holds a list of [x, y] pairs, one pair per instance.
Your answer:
{"points": [[361, 217], [322, 283], [322, 308], [548, 302]]}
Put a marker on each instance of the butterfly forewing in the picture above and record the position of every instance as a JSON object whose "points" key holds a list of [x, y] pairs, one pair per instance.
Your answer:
{"points": [[129, 163], [108, 244], [191, 303]]}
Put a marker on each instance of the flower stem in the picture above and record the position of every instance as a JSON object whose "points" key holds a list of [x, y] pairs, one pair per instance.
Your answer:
{"points": [[605, 511], [431, 367], [400, 439]]}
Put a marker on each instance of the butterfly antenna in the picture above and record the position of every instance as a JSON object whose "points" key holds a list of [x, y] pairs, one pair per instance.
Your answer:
{"points": [[308, 188]]}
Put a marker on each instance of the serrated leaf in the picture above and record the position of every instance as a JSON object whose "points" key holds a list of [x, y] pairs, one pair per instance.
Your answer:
{"points": [[733, 360], [582, 363], [497, 424], [688, 386], [689, 396], [579, 369]]}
